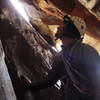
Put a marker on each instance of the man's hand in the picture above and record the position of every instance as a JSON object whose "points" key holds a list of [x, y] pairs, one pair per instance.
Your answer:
{"points": [[26, 82]]}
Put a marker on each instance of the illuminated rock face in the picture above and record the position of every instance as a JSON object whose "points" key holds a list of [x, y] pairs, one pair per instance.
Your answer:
{"points": [[6, 88], [26, 53], [94, 42]]}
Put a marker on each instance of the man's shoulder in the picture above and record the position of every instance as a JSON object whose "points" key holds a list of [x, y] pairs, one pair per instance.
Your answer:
{"points": [[85, 48], [85, 52]]}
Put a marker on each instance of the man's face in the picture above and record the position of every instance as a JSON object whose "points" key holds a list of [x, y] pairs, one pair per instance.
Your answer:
{"points": [[60, 31]]}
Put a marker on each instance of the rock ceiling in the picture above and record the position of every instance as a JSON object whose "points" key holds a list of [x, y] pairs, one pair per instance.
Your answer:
{"points": [[88, 10]]}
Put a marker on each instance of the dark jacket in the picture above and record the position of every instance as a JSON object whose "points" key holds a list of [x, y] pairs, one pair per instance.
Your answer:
{"points": [[85, 60]]}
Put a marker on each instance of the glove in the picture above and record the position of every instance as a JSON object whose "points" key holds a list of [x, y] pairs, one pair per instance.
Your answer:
{"points": [[26, 82]]}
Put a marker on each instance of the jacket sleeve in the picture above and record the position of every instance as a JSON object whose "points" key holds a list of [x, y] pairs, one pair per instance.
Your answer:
{"points": [[52, 77], [95, 75]]}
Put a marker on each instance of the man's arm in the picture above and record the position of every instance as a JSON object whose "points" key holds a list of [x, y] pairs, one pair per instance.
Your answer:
{"points": [[53, 76]]}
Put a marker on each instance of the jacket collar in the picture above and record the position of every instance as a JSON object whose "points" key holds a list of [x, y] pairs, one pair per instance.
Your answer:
{"points": [[68, 48]]}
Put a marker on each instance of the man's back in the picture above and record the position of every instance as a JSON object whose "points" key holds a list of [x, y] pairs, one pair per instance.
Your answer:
{"points": [[85, 63]]}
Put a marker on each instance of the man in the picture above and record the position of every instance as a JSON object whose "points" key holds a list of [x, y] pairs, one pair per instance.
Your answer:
{"points": [[78, 62]]}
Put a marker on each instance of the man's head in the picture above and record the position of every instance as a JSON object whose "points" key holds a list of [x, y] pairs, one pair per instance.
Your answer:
{"points": [[72, 27]]}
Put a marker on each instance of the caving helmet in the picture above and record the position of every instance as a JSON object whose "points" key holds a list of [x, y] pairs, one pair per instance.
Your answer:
{"points": [[73, 27]]}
